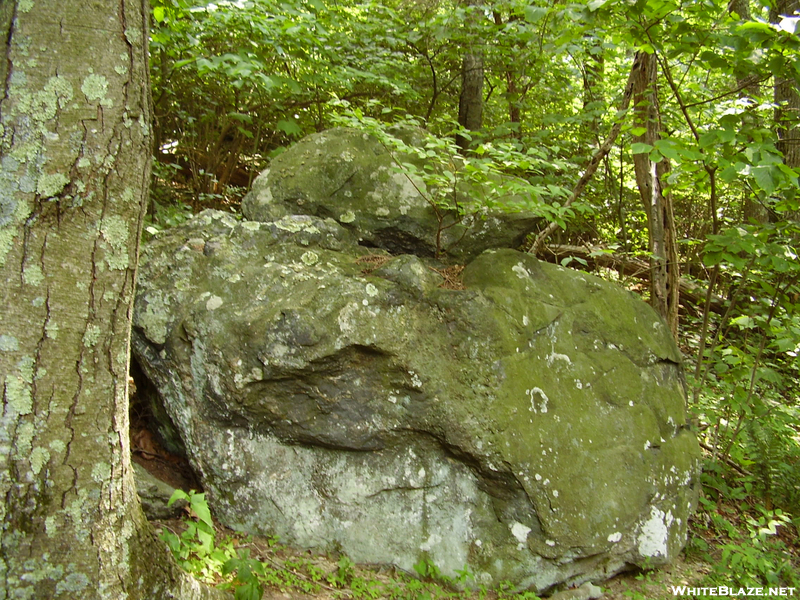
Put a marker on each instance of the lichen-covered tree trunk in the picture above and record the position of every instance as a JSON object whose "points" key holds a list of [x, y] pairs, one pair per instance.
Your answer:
{"points": [[664, 269], [74, 169]]}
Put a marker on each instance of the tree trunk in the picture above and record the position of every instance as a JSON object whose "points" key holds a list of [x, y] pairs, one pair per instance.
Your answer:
{"points": [[752, 209], [593, 67], [664, 270], [512, 82], [74, 161], [787, 98], [470, 103]]}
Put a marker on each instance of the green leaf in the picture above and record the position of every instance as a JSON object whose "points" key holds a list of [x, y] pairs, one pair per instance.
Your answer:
{"points": [[240, 117], [183, 63], [755, 26], [204, 64], [232, 564], [200, 508], [655, 156], [266, 81], [249, 591], [641, 148], [566, 261], [289, 127], [668, 148], [763, 177], [784, 344], [707, 139], [729, 174], [173, 541], [421, 567], [534, 14], [206, 540], [177, 495]]}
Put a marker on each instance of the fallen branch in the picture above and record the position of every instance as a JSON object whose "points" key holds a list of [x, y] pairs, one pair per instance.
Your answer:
{"points": [[727, 460], [595, 257]]}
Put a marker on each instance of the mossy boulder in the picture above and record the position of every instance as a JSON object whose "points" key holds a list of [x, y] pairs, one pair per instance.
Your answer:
{"points": [[348, 176], [530, 427]]}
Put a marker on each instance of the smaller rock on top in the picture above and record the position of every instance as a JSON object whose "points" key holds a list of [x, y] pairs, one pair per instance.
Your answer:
{"points": [[349, 176]]}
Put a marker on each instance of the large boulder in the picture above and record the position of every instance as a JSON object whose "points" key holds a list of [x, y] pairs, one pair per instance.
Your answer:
{"points": [[347, 175], [530, 427]]}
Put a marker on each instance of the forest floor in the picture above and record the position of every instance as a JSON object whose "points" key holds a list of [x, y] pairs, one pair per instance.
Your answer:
{"points": [[304, 575], [309, 572]]}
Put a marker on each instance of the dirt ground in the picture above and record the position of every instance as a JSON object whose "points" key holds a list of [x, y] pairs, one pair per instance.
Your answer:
{"points": [[656, 585]]}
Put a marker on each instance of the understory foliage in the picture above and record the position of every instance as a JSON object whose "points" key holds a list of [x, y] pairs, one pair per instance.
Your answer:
{"points": [[235, 83], [248, 568]]}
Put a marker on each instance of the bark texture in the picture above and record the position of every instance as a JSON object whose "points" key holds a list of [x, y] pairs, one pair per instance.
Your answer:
{"points": [[787, 97], [470, 104], [470, 107], [74, 171], [664, 273]]}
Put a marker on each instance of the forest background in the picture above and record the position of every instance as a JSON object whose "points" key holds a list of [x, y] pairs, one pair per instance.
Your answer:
{"points": [[659, 141]]}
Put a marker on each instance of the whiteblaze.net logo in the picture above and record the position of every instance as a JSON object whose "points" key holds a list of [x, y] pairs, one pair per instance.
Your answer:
{"points": [[725, 591]]}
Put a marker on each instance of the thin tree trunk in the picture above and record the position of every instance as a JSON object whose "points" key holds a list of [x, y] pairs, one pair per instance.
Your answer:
{"points": [[512, 87], [75, 166], [593, 71], [598, 157], [470, 104], [664, 270], [787, 98], [751, 208]]}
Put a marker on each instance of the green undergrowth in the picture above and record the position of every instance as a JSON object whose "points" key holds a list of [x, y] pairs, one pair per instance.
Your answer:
{"points": [[734, 541], [748, 544], [250, 567]]}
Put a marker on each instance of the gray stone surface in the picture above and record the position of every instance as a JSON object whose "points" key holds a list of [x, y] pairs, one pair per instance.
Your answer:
{"points": [[530, 427], [587, 591], [155, 494], [347, 175]]}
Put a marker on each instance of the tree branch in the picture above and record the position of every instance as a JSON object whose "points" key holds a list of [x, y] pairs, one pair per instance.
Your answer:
{"points": [[598, 157]]}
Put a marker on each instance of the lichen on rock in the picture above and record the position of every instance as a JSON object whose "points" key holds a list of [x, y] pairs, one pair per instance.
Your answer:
{"points": [[347, 175], [530, 426]]}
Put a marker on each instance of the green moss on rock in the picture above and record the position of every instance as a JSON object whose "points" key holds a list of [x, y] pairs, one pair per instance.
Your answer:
{"points": [[531, 426]]}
